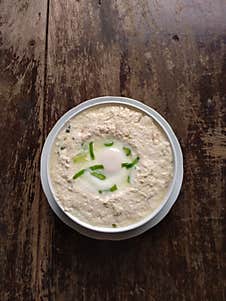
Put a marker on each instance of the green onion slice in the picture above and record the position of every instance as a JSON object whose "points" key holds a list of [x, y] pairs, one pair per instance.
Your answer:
{"points": [[79, 174], [100, 176], [130, 165], [128, 179], [82, 157], [127, 151], [113, 188], [109, 144], [91, 152], [95, 167], [114, 225]]}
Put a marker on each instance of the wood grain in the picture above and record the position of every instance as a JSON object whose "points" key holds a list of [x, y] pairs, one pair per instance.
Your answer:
{"points": [[169, 54], [22, 52]]}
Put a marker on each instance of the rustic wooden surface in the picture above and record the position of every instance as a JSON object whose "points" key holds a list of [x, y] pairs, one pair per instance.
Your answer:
{"points": [[170, 54]]}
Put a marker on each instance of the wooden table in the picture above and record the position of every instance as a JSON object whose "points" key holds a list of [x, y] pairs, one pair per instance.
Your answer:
{"points": [[170, 54]]}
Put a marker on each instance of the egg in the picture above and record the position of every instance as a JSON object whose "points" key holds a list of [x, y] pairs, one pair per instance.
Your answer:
{"points": [[104, 171], [112, 159]]}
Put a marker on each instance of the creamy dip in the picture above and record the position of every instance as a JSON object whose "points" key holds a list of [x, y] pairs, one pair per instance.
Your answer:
{"points": [[111, 166]]}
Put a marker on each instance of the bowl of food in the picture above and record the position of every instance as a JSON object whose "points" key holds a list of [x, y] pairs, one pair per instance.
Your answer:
{"points": [[111, 168]]}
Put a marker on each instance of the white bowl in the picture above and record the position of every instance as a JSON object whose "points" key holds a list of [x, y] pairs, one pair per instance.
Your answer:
{"points": [[121, 232]]}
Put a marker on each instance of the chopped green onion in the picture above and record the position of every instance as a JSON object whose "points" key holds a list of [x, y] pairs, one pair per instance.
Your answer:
{"points": [[95, 167], [109, 144], [128, 179], [127, 151], [127, 165], [91, 152], [114, 225], [79, 174], [113, 188], [130, 165], [100, 176], [80, 158], [135, 161]]}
